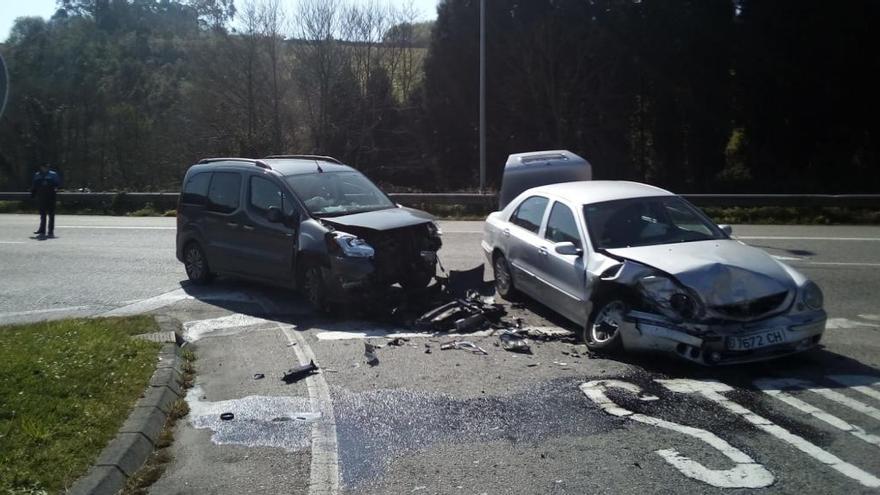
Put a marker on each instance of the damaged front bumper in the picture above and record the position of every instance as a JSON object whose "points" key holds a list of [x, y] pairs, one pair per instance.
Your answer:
{"points": [[347, 277], [727, 342]]}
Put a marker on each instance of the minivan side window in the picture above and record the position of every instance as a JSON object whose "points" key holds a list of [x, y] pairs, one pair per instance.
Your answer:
{"points": [[225, 191], [529, 213], [561, 226], [264, 194], [195, 191]]}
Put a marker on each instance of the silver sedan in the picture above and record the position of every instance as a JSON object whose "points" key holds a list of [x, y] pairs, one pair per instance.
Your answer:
{"points": [[639, 268]]}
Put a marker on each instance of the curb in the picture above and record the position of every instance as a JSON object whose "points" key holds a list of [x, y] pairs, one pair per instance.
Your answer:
{"points": [[136, 439]]}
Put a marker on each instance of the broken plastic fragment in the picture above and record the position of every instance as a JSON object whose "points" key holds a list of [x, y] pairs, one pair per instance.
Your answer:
{"points": [[300, 372], [512, 342], [227, 416], [370, 354]]}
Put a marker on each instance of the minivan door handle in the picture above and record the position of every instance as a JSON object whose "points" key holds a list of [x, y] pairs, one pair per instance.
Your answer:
{"points": [[231, 224]]}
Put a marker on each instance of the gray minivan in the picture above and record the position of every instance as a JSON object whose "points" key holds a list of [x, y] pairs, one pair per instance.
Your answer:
{"points": [[301, 221]]}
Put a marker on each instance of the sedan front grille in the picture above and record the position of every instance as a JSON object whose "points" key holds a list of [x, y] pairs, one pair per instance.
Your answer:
{"points": [[754, 308]]}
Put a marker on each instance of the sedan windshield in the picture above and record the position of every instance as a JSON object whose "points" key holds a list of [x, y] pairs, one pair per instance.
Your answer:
{"points": [[646, 222], [338, 193]]}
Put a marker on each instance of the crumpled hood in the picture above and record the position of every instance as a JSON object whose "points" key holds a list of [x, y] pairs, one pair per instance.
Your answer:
{"points": [[392, 218], [721, 272]]}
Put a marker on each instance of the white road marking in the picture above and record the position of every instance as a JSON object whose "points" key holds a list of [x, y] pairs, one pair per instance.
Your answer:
{"points": [[195, 330], [835, 263], [746, 474], [712, 390], [795, 238], [786, 258], [845, 323], [377, 332], [41, 311], [174, 296], [115, 227], [11, 242], [859, 383], [324, 468], [773, 388], [870, 317]]}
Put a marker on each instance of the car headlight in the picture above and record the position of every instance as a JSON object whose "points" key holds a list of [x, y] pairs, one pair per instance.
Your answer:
{"points": [[664, 295], [434, 229], [353, 246], [812, 297]]}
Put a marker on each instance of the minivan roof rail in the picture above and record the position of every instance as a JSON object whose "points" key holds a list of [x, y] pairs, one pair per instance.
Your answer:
{"points": [[307, 157], [258, 163]]}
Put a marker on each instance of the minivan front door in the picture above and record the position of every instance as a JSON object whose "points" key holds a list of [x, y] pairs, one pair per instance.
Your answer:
{"points": [[223, 218], [270, 247]]}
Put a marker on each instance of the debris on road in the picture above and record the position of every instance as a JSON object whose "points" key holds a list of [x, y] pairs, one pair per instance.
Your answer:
{"points": [[227, 416], [370, 354], [513, 342], [464, 344], [468, 314], [259, 376], [300, 372], [398, 341]]}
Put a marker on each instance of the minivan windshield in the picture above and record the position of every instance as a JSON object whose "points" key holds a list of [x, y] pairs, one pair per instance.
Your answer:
{"points": [[647, 222], [327, 194]]}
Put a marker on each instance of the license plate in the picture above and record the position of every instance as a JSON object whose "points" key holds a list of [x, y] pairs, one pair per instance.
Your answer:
{"points": [[756, 340]]}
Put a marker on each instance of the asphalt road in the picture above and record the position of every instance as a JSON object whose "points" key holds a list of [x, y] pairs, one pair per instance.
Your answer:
{"points": [[453, 421]]}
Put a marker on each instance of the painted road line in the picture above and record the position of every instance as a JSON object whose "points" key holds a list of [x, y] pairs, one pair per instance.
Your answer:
{"points": [[771, 387], [177, 295], [793, 238], [832, 395], [41, 311], [846, 323], [324, 472], [324, 468], [197, 329], [12, 242], [836, 263], [115, 227], [746, 474], [859, 383], [712, 390]]}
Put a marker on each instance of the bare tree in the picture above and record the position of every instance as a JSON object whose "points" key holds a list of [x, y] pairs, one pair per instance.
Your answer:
{"points": [[271, 19]]}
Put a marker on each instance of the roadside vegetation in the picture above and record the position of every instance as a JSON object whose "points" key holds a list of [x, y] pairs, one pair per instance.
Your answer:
{"points": [[65, 389]]}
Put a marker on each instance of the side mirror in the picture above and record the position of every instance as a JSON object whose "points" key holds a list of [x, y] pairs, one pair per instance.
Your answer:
{"points": [[274, 215], [568, 249], [727, 229]]}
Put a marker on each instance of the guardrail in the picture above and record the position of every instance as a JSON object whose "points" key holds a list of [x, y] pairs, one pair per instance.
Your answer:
{"points": [[487, 201]]}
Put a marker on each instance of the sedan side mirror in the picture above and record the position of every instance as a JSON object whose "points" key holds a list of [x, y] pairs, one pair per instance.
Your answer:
{"points": [[727, 229], [274, 215], [568, 249]]}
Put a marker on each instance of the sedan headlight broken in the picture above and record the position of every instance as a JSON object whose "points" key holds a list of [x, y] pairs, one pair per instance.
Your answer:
{"points": [[353, 246], [664, 295]]}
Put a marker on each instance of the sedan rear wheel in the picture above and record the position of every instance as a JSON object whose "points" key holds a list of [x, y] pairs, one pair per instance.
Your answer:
{"points": [[602, 332], [503, 279], [196, 264]]}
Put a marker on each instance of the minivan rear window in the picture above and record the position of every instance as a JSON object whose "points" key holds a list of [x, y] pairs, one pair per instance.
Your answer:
{"points": [[225, 192], [195, 191]]}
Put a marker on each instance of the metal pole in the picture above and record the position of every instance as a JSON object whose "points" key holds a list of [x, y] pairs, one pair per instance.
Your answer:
{"points": [[482, 95]]}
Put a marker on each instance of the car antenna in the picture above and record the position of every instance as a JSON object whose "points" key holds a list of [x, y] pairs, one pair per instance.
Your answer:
{"points": [[320, 170]]}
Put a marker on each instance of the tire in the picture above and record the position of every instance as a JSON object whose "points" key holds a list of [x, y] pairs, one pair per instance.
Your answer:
{"points": [[503, 277], [602, 331], [314, 288], [196, 264]]}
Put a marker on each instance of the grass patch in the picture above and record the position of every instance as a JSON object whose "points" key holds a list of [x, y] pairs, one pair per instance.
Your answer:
{"points": [[65, 389], [782, 215]]}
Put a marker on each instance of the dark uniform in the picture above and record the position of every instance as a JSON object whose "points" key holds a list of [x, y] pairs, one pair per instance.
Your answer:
{"points": [[46, 182]]}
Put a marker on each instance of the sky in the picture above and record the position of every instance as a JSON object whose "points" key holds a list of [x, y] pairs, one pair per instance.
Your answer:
{"points": [[10, 9]]}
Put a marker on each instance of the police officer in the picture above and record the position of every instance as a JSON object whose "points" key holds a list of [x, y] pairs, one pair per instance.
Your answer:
{"points": [[46, 182]]}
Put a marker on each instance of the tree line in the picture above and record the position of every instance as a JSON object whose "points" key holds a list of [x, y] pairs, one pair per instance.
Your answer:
{"points": [[693, 95]]}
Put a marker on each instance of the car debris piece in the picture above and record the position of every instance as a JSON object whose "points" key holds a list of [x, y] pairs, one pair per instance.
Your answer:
{"points": [[300, 372], [467, 314], [370, 354], [227, 416], [398, 341], [513, 342], [460, 283], [471, 323], [259, 376], [464, 344]]}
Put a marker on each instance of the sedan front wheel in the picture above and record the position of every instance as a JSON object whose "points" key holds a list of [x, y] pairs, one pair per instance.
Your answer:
{"points": [[602, 332]]}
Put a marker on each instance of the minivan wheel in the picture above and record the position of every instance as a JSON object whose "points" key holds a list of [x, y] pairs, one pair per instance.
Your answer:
{"points": [[196, 264], [503, 278], [602, 331], [314, 288]]}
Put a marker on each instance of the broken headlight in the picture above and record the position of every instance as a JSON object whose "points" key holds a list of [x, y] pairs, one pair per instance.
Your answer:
{"points": [[671, 300], [352, 246], [812, 296], [434, 230]]}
